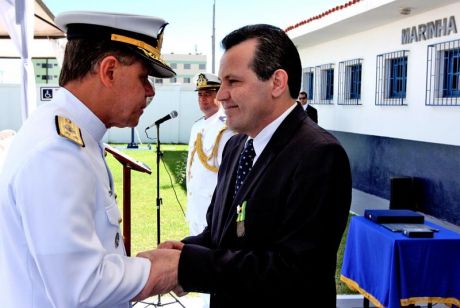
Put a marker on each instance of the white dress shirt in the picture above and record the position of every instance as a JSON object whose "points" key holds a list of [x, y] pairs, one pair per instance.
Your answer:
{"points": [[264, 136]]}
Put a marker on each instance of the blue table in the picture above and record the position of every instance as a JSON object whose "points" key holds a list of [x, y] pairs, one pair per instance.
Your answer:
{"points": [[392, 270]]}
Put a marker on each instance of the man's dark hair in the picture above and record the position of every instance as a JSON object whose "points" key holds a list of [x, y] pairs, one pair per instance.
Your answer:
{"points": [[82, 55], [274, 50], [303, 93]]}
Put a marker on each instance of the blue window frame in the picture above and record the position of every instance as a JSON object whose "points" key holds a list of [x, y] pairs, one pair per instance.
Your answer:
{"points": [[451, 78], [391, 78], [308, 78], [324, 84], [349, 82], [329, 78], [355, 81], [397, 78], [310, 85], [443, 74]]}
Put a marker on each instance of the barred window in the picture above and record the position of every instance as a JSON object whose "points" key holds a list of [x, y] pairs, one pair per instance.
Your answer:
{"points": [[324, 84], [350, 82], [391, 78], [443, 74], [308, 78]]}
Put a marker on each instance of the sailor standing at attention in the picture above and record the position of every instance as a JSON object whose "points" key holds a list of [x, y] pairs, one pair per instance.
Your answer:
{"points": [[207, 140]]}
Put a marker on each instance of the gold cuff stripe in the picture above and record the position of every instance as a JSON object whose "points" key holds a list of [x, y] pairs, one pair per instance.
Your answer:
{"points": [[137, 43]]}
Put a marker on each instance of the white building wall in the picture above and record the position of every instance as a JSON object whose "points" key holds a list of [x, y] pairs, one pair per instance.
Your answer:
{"points": [[183, 99], [437, 124]]}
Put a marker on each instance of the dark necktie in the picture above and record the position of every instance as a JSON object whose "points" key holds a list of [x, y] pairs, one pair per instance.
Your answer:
{"points": [[244, 165]]}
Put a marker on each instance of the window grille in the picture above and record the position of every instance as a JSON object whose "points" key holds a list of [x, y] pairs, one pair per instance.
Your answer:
{"points": [[443, 74], [324, 85], [45, 70], [350, 82], [308, 77], [391, 79]]}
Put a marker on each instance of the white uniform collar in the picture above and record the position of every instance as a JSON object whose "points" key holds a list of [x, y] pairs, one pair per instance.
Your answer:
{"points": [[81, 115], [215, 116]]}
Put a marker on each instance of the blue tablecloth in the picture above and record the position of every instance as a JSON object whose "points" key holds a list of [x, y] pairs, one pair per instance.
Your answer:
{"points": [[392, 270]]}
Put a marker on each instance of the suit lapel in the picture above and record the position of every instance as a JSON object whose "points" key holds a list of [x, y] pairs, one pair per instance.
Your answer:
{"points": [[277, 142], [227, 195]]}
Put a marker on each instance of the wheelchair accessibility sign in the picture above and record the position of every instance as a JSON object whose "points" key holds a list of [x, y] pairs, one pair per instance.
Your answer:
{"points": [[46, 94]]}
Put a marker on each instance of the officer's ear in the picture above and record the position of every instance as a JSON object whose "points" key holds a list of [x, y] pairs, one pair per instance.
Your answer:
{"points": [[106, 70]]}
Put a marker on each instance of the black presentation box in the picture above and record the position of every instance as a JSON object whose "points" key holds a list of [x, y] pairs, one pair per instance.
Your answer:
{"points": [[394, 216]]}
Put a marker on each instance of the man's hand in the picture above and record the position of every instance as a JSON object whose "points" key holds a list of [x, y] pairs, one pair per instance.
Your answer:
{"points": [[163, 272], [171, 245]]}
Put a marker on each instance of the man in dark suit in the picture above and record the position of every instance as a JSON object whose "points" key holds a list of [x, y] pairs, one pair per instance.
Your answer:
{"points": [[311, 111], [276, 238]]}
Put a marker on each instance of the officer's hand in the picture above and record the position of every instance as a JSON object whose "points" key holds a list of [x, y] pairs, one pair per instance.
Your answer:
{"points": [[163, 275]]}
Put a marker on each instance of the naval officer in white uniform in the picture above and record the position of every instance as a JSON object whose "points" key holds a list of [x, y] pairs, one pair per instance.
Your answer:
{"points": [[60, 240], [207, 140]]}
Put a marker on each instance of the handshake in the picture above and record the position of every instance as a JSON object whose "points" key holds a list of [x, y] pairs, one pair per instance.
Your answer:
{"points": [[163, 276]]}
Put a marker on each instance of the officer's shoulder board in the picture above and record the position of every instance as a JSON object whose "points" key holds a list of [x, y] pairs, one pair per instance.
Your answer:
{"points": [[69, 130]]}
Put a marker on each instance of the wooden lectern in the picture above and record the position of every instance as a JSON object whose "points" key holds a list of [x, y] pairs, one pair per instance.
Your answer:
{"points": [[128, 165]]}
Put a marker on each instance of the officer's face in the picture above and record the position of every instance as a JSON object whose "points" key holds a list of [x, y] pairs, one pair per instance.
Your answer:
{"points": [[208, 102], [130, 92]]}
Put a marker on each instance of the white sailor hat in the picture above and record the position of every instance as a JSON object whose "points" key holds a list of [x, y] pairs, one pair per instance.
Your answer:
{"points": [[207, 81], [142, 34]]}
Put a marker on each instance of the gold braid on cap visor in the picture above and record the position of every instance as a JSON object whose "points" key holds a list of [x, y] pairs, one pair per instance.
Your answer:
{"points": [[149, 50]]}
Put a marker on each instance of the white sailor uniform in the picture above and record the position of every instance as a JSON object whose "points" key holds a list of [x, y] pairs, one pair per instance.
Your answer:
{"points": [[60, 241], [207, 141]]}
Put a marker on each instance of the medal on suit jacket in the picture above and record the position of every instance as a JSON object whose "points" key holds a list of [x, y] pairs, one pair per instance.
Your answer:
{"points": [[241, 216]]}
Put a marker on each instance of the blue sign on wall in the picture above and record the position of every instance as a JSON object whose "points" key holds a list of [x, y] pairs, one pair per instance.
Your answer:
{"points": [[47, 93]]}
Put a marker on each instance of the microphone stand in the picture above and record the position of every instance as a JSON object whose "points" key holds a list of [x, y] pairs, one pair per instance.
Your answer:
{"points": [[159, 202]]}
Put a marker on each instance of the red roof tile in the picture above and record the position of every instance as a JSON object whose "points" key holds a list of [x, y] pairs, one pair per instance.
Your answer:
{"points": [[319, 16]]}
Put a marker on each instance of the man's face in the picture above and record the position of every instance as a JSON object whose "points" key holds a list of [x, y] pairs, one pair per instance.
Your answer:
{"points": [[302, 99], [245, 98], [130, 92], [208, 102]]}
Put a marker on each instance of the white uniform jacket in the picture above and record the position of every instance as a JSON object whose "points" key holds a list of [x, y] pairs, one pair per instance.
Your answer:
{"points": [[201, 181], [60, 241]]}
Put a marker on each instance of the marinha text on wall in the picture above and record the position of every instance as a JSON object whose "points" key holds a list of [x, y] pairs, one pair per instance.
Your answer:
{"points": [[432, 29]]}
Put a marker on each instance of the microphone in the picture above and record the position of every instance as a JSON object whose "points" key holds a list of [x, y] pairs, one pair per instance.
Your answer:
{"points": [[172, 115]]}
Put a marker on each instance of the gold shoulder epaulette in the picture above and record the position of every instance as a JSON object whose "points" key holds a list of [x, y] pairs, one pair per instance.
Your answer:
{"points": [[69, 130]]}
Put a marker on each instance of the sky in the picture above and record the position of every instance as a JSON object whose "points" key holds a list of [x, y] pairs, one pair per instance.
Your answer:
{"points": [[190, 21]]}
